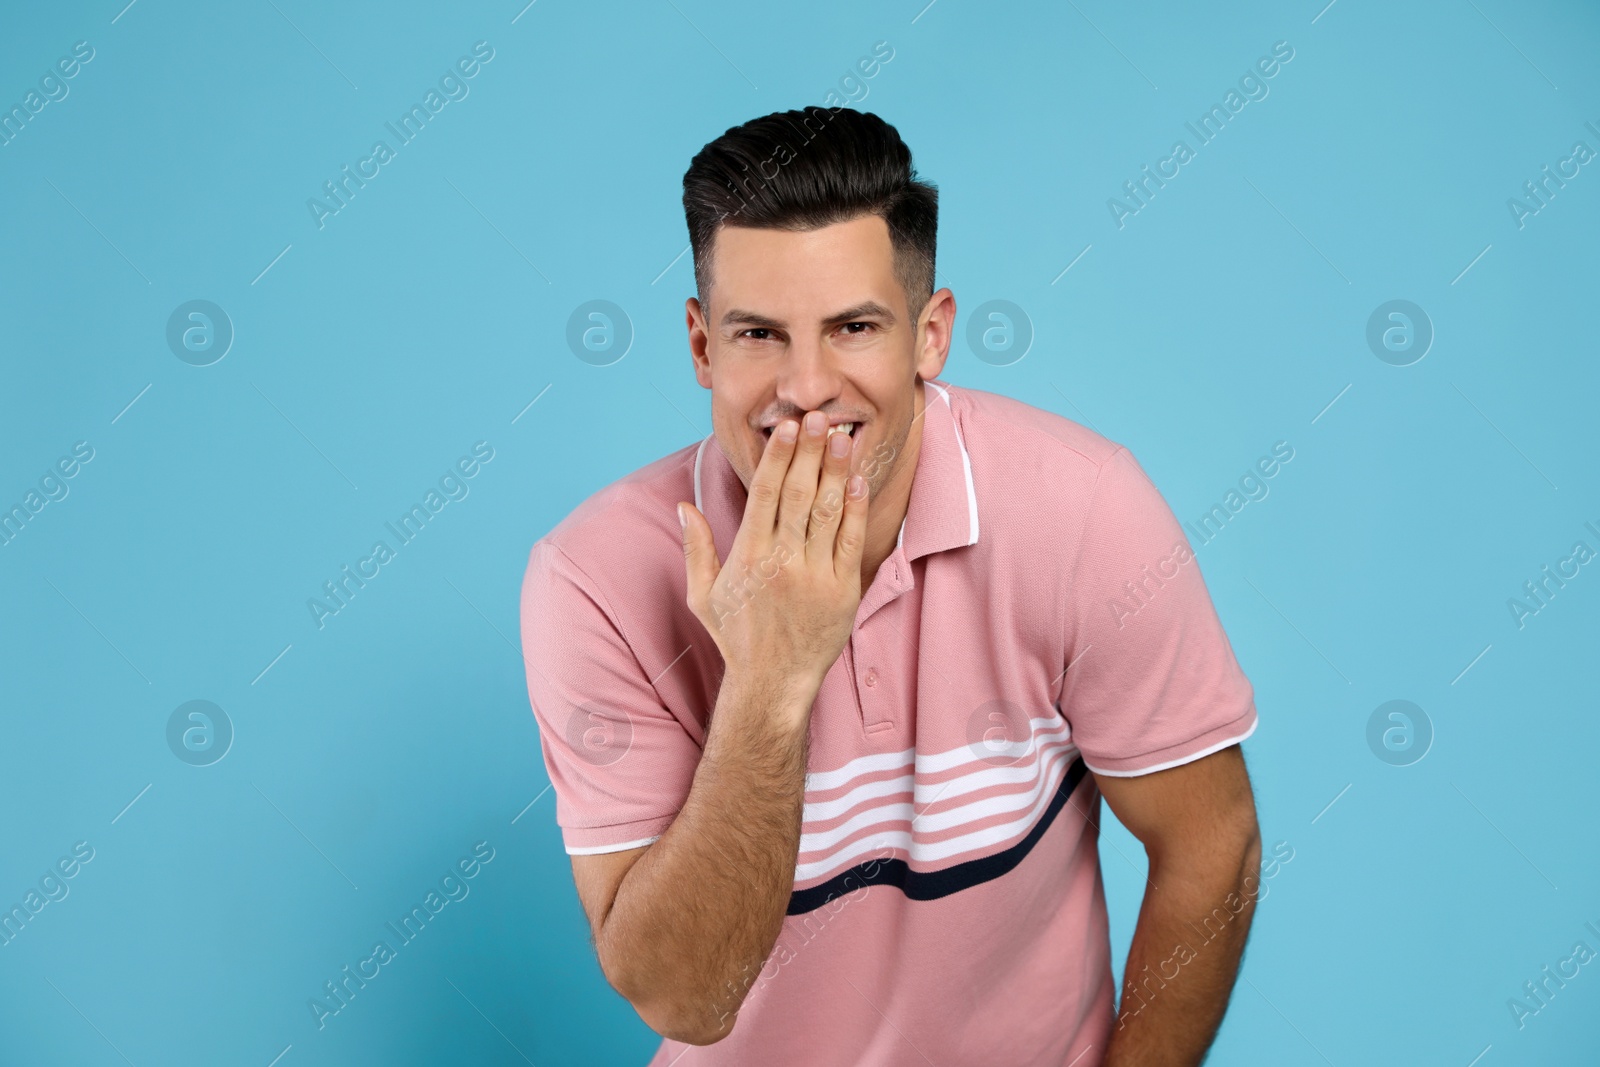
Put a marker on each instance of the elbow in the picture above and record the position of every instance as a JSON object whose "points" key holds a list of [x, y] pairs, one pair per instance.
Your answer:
{"points": [[689, 1027], [1236, 835], [682, 1019], [1238, 852], [1249, 839], [1248, 845], [1250, 836], [671, 1012]]}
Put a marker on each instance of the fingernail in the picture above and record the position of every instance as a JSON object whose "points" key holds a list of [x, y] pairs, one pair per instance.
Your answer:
{"points": [[683, 520], [839, 444], [816, 422], [856, 486], [788, 429]]}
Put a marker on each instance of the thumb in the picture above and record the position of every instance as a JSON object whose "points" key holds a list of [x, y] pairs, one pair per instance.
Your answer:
{"points": [[699, 554]]}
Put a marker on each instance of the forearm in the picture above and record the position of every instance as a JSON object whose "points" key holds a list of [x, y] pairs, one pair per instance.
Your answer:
{"points": [[1184, 957], [700, 911]]}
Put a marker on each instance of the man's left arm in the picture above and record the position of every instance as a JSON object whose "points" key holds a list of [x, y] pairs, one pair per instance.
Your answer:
{"points": [[1197, 822]]}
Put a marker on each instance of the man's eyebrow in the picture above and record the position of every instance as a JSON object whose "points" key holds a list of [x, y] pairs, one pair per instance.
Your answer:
{"points": [[867, 309]]}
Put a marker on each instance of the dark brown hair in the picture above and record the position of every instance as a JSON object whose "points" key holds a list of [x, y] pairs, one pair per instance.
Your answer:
{"points": [[801, 170]]}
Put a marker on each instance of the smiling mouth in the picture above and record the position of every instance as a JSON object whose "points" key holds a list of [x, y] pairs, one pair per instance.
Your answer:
{"points": [[848, 428]]}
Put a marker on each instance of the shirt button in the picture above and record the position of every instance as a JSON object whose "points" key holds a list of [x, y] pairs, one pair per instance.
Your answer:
{"points": [[872, 678]]}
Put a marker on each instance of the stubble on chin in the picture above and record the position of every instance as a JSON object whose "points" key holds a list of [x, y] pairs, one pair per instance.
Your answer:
{"points": [[878, 463]]}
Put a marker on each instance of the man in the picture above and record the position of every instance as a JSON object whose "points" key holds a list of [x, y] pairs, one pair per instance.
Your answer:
{"points": [[828, 751]]}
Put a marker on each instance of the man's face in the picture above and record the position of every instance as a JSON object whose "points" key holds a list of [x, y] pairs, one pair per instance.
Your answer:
{"points": [[814, 321]]}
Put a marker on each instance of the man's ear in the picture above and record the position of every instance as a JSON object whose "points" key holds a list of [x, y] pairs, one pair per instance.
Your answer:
{"points": [[699, 342], [935, 327]]}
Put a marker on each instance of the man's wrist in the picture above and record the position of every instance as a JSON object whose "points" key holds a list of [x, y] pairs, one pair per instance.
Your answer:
{"points": [[780, 699]]}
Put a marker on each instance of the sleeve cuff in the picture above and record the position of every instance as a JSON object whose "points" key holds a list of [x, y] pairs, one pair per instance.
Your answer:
{"points": [[1213, 740], [595, 840], [596, 850]]}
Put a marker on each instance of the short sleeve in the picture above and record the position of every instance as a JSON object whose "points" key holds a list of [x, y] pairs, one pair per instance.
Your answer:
{"points": [[619, 762], [1151, 681]]}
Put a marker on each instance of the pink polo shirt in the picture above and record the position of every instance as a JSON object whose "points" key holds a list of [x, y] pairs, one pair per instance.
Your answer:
{"points": [[1041, 616]]}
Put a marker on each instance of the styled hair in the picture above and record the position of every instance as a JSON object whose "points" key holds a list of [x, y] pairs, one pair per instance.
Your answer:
{"points": [[802, 170]]}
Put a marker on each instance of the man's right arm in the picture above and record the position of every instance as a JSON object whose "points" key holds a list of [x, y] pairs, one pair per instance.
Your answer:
{"points": [[682, 926]]}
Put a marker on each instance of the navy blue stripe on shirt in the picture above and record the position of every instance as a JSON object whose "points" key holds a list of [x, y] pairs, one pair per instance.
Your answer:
{"points": [[931, 885]]}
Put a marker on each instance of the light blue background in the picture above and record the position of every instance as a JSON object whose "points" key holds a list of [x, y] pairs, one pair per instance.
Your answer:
{"points": [[425, 316]]}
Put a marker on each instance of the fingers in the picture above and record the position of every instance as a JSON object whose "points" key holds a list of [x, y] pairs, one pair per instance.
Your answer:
{"points": [[699, 556], [800, 484], [766, 485], [852, 537], [828, 509]]}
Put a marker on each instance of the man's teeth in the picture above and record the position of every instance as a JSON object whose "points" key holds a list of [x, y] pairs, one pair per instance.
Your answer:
{"points": [[843, 427]]}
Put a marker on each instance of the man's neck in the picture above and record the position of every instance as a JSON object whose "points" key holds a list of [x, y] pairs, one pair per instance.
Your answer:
{"points": [[888, 509]]}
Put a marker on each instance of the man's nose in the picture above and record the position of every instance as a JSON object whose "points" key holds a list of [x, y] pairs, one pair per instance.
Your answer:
{"points": [[809, 378]]}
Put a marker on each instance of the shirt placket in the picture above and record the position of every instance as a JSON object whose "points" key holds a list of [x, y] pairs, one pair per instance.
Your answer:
{"points": [[874, 688], [877, 691]]}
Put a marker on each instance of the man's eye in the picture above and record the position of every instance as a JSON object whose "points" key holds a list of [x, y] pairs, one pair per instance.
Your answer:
{"points": [[853, 332], [756, 330]]}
